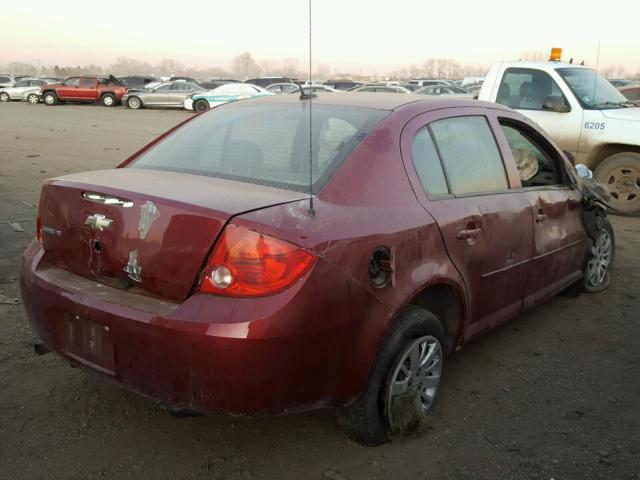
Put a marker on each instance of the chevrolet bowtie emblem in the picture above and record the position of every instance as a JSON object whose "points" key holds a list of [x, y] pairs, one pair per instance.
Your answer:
{"points": [[98, 222]]}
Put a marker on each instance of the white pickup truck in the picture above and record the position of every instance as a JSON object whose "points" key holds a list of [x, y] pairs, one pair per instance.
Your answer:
{"points": [[583, 113]]}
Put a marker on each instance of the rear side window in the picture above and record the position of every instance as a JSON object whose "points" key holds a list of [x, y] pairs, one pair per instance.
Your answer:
{"points": [[470, 155], [526, 88], [427, 163], [266, 143]]}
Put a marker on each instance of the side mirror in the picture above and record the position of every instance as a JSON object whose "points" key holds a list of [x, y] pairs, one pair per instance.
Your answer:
{"points": [[555, 103], [570, 157], [584, 171]]}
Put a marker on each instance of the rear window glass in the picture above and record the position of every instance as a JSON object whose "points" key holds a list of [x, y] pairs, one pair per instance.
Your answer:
{"points": [[264, 143]]}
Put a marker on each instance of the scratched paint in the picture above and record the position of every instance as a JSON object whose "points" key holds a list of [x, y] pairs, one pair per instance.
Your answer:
{"points": [[149, 213]]}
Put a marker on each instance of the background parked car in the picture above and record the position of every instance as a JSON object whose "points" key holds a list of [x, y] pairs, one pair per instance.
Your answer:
{"points": [[632, 94], [264, 82], [381, 89], [166, 94], [21, 86], [283, 88], [342, 84], [7, 81], [229, 92], [444, 90], [105, 89], [136, 82]]}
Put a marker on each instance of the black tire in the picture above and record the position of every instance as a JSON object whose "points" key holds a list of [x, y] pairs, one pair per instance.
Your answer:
{"points": [[50, 99], [588, 284], [620, 173], [4, 97], [365, 420], [201, 105], [134, 103], [108, 100]]}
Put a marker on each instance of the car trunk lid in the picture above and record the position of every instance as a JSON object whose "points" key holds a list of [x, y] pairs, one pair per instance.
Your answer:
{"points": [[146, 228]]}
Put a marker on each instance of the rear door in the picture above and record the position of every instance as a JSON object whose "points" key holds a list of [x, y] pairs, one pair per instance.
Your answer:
{"points": [[459, 176], [88, 88], [560, 241], [158, 96]]}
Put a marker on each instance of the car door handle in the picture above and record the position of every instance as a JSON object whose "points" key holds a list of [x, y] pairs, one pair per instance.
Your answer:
{"points": [[540, 217], [468, 233]]}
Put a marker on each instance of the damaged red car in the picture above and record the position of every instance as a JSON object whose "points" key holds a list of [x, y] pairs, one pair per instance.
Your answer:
{"points": [[201, 273]]}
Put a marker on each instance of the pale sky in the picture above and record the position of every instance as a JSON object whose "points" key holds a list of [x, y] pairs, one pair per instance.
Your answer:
{"points": [[368, 36]]}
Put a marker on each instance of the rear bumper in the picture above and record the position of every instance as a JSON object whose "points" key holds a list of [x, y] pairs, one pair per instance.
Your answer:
{"points": [[274, 354]]}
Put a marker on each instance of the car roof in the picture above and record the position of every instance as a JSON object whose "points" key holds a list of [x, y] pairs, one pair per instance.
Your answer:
{"points": [[380, 101], [547, 64]]}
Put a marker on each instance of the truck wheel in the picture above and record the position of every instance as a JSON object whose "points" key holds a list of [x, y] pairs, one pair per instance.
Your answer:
{"points": [[597, 275], [134, 103], [4, 97], [108, 100], [201, 105], [50, 99], [403, 381], [621, 175], [33, 99]]}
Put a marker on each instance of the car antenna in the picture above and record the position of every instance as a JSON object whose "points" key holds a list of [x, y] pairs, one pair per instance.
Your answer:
{"points": [[595, 77], [309, 96]]}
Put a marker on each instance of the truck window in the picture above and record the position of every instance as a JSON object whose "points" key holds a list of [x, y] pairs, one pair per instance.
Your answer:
{"points": [[536, 166], [526, 88], [470, 155], [88, 82], [428, 166], [72, 82]]}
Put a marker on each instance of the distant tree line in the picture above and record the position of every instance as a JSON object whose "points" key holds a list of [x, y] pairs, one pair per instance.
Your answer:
{"points": [[244, 66]]}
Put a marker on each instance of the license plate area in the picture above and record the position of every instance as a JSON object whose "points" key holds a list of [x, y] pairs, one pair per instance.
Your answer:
{"points": [[90, 343]]}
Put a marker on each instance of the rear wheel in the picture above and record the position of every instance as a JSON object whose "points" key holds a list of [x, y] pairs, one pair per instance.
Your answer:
{"points": [[4, 97], [201, 105], [108, 100], [134, 103], [403, 382], [621, 175], [597, 275], [33, 98], [50, 99]]}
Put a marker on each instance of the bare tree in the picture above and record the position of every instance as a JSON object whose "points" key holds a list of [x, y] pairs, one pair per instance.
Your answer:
{"points": [[323, 71], [533, 55], [268, 66], [290, 67], [243, 66]]}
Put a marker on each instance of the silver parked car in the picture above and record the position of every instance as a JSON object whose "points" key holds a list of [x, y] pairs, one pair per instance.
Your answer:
{"points": [[445, 90], [7, 81], [167, 94], [18, 91]]}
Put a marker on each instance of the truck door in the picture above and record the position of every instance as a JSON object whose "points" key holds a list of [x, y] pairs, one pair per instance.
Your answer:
{"points": [[69, 89], [88, 89], [560, 241], [459, 176], [532, 92]]}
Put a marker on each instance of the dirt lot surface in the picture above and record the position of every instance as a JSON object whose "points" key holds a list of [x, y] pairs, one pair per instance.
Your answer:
{"points": [[552, 394]]}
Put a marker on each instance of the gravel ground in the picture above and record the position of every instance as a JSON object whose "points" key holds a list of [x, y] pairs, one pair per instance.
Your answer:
{"points": [[554, 393]]}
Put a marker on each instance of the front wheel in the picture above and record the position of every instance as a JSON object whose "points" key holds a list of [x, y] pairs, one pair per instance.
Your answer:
{"points": [[403, 381], [597, 275], [134, 103], [4, 97], [50, 99], [108, 100], [620, 173], [201, 105]]}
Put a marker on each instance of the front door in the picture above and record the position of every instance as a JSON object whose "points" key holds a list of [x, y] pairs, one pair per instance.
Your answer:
{"points": [[69, 88], [560, 241], [459, 176]]}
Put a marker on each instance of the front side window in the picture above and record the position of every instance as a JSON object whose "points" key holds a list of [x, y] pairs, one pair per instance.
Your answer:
{"points": [[265, 144], [470, 155], [593, 91], [536, 167], [163, 88], [72, 82], [526, 88], [427, 163]]}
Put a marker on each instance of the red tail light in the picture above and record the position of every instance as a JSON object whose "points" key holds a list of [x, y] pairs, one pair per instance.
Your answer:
{"points": [[245, 263], [39, 228]]}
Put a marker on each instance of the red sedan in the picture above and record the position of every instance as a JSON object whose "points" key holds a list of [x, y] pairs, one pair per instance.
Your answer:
{"points": [[200, 273]]}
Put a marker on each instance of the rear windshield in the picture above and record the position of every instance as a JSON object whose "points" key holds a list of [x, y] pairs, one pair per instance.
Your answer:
{"points": [[264, 143]]}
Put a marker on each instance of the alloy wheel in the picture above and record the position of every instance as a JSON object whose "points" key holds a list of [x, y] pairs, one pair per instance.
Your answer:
{"points": [[414, 382], [4, 97], [600, 260]]}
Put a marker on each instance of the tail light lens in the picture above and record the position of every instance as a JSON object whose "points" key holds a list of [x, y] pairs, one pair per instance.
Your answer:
{"points": [[245, 263], [39, 228]]}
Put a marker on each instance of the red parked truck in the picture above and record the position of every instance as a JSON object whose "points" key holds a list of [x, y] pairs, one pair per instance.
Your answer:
{"points": [[105, 89]]}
